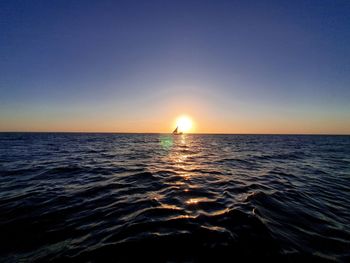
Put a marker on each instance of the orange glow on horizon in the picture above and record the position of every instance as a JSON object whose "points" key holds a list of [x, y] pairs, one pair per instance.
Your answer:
{"points": [[162, 117]]}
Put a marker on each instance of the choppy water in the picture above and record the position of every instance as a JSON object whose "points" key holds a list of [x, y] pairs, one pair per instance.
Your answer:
{"points": [[142, 197]]}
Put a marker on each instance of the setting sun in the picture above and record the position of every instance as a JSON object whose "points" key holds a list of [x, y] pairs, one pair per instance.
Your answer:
{"points": [[184, 124]]}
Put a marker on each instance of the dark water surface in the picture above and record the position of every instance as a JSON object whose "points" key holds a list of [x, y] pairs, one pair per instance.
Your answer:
{"points": [[159, 198]]}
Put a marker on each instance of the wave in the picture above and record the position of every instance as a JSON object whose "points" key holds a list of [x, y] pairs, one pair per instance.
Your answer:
{"points": [[126, 198]]}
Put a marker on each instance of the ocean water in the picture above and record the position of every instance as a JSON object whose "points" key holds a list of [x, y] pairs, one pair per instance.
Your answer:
{"points": [[162, 198]]}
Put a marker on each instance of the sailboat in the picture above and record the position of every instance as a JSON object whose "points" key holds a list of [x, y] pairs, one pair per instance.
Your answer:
{"points": [[175, 132]]}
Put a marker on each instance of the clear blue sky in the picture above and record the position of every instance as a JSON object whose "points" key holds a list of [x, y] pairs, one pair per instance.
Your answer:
{"points": [[233, 66]]}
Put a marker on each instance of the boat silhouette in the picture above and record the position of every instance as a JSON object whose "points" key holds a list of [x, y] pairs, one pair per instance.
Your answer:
{"points": [[176, 132]]}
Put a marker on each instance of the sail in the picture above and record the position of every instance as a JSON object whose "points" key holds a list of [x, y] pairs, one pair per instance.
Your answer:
{"points": [[175, 131]]}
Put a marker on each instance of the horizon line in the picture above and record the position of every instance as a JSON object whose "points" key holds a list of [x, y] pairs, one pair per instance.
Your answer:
{"points": [[189, 133]]}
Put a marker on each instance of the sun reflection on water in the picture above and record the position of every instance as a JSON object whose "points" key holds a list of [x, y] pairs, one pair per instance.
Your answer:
{"points": [[179, 152], [195, 201]]}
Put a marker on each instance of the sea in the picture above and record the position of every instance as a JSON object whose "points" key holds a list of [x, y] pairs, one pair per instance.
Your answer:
{"points": [[86, 197]]}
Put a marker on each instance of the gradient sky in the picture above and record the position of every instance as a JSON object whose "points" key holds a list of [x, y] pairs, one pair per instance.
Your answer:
{"points": [[134, 66]]}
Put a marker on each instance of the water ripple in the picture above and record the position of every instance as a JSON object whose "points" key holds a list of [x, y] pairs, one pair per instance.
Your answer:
{"points": [[161, 198]]}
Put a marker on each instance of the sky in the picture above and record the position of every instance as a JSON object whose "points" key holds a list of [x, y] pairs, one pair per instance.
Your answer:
{"points": [[135, 66]]}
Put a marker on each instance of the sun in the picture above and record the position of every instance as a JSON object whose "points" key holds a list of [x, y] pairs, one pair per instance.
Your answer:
{"points": [[184, 124]]}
